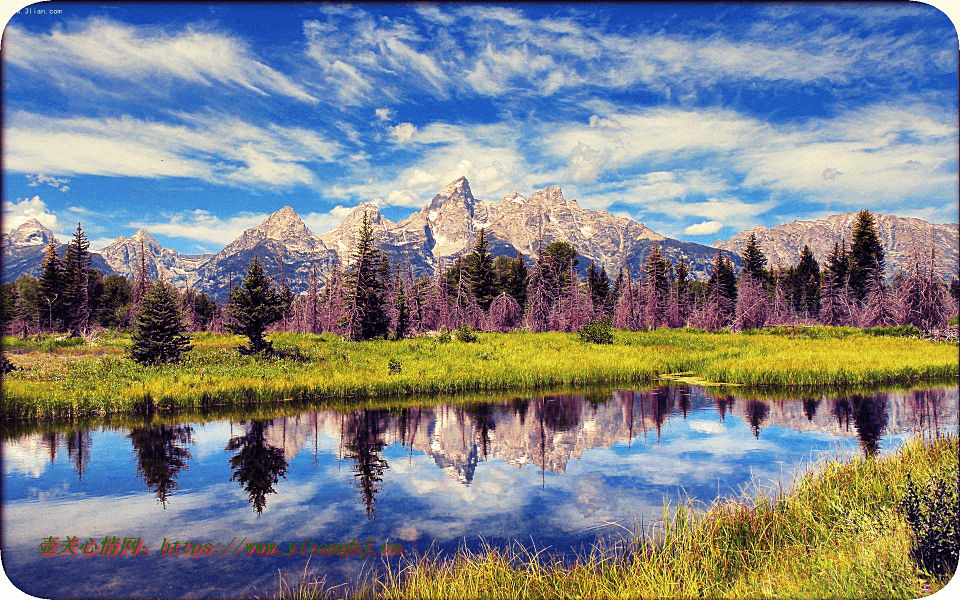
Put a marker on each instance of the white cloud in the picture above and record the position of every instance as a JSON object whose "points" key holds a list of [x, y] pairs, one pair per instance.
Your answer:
{"points": [[203, 226], [225, 151], [146, 56], [596, 121], [23, 209], [403, 132], [704, 228], [323, 222], [40, 178], [419, 178], [384, 114], [586, 164]]}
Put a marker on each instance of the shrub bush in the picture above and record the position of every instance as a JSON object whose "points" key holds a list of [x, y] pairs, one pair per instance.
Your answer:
{"points": [[598, 331], [933, 512], [466, 334]]}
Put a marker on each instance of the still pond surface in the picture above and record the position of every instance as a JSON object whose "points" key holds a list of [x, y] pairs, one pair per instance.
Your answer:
{"points": [[558, 472]]}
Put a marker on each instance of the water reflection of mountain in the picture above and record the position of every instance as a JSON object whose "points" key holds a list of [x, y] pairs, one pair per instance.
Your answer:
{"points": [[542, 433], [546, 432]]}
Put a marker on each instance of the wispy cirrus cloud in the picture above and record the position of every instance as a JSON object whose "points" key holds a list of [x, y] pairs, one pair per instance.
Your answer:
{"points": [[227, 151], [146, 56]]}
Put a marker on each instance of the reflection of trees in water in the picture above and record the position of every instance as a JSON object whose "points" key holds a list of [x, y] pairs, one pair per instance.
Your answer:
{"points": [[810, 406], [519, 407], [561, 413], [258, 465], [628, 402], [660, 403], [682, 395], [842, 410], [870, 419], [407, 422], [757, 412], [484, 422], [724, 405], [363, 440], [161, 456], [78, 449], [926, 410]]}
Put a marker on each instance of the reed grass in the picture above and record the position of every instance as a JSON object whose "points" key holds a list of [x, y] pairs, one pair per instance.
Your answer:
{"points": [[99, 378], [837, 533]]}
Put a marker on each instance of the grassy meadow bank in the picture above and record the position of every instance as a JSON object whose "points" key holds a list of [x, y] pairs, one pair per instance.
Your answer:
{"points": [[72, 377], [843, 530]]}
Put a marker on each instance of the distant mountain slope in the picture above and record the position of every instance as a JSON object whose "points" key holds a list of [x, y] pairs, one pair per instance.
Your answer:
{"points": [[900, 236]]}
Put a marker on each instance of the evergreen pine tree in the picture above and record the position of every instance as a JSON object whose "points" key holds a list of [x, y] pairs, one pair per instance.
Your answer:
{"points": [[76, 283], [539, 299], [366, 316], [754, 262], [50, 297], [599, 286], [613, 296], [159, 334], [483, 277], [866, 256], [254, 306], [403, 310], [682, 290], [515, 283], [722, 290], [808, 283]]}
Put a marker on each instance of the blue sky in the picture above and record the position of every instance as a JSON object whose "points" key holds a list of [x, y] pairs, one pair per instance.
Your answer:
{"points": [[196, 121]]}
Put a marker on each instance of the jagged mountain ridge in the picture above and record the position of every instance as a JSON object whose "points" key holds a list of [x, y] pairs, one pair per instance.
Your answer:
{"points": [[123, 256], [899, 236], [288, 250], [447, 227]]}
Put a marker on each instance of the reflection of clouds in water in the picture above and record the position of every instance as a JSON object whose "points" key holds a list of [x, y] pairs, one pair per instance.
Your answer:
{"points": [[709, 427]]}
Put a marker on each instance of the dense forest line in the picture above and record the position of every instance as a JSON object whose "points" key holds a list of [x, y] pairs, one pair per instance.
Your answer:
{"points": [[373, 299]]}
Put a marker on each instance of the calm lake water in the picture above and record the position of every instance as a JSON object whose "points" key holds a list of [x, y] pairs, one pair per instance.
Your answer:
{"points": [[558, 472]]}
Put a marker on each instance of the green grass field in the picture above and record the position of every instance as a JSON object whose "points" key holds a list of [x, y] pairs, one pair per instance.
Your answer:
{"points": [[68, 379], [838, 533]]}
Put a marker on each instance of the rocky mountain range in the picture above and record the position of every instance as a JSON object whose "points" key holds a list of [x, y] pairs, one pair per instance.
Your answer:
{"points": [[22, 251], [447, 227], [901, 237]]}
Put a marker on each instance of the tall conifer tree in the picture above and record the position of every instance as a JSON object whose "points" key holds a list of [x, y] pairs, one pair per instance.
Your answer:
{"points": [[866, 256], [367, 316], [50, 297], [76, 285], [754, 262], [483, 277]]}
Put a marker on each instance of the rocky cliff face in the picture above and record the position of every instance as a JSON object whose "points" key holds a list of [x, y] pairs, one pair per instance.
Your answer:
{"points": [[285, 247], [449, 225], [123, 256], [901, 237]]}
